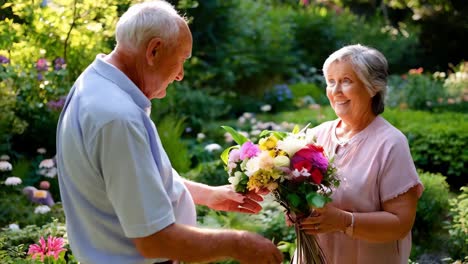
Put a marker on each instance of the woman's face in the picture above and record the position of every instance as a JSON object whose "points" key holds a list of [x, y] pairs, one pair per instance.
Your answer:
{"points": [[347, 93]]}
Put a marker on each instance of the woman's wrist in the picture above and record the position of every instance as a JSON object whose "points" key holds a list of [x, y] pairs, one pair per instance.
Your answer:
{"points": [[348, 220]]}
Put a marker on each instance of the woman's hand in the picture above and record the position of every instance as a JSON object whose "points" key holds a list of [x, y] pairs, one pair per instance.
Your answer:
{"points": [[326, 219]]}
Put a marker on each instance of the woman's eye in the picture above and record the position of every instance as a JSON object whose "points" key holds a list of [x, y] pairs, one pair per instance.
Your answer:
{"points": [[331, 82], [346, 81]]}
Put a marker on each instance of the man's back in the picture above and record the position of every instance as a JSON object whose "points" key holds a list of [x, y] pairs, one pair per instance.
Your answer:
{"points": [[106, 154]]}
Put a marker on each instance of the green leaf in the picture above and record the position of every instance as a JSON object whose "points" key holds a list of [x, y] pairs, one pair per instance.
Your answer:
{"points": [[317, 200], [238, 137], [294, 199], [280, 135], [265, 133], [225, 154], [296, 129]]}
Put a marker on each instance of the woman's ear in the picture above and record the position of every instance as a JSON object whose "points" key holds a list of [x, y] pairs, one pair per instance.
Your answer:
{"points": [[154, 45]]}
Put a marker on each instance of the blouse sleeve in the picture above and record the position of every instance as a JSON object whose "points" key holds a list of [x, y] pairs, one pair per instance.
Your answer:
{"points": [[398, 174]]}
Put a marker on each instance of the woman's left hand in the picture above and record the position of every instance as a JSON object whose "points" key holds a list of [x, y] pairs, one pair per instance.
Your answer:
{"points": [[323, 220], [224, 198]]}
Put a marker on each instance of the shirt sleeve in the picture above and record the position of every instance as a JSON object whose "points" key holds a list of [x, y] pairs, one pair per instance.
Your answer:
{"points": [[134, 186], [399, 173]]}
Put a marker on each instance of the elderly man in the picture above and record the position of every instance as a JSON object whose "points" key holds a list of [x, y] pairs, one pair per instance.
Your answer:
{"points": [[123, 201]]}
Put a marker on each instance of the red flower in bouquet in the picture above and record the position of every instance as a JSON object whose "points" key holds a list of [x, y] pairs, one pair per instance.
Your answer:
{"points": [[310, 162]]}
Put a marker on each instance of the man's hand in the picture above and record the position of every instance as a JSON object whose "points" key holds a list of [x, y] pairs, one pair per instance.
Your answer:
{"points": [[224, 198], [256, 249]]}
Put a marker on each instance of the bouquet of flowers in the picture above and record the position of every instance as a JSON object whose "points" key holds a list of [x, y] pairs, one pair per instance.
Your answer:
{"points": [[291, 166]]}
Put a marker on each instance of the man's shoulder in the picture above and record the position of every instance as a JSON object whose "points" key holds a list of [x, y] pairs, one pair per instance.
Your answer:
{"points": [[101, 101]]}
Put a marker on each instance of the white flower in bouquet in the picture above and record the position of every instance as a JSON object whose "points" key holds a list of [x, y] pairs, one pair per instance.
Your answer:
{"points": [[5, 157], [236, 178], [291, 144], [310, 136], [252, 166], [42, 209], [13, 181], [282, 161], [5, 166], [265, 161]]}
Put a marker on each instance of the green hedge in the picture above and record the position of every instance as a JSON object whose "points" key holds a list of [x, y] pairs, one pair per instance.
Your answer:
{"points": [[438, 142], [433, 206]]}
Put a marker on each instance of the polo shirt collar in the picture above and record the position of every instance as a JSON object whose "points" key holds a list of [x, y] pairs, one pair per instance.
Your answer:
{"points": [[115, 75]]}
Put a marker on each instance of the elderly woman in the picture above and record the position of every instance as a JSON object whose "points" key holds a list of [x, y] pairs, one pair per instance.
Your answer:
{"points": [[373, 209]]}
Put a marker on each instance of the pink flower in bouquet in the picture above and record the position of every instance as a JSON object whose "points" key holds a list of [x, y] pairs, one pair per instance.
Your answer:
{"points": [[53, 247], [234, 156], [249, 150]]}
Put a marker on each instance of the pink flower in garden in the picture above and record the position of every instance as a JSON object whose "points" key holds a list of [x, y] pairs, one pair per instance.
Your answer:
{"points": [[53, 247], [42, 64], [249, 150]]}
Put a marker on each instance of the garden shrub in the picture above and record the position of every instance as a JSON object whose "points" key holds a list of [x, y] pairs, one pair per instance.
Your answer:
{"points": [[211, 173], [458, 226], [236, 43], [432, 210], [280, 98], [416, 91], [16, 208], [319, 32], [438, 141], [170, 129], [14, 244], [196, 106], [304, 90]]}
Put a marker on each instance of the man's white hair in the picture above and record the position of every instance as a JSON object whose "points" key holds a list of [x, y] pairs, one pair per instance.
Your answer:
{"points": [[145, 21]]}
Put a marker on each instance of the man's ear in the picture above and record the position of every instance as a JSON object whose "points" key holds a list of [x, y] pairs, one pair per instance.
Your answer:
{"points": [[154, 45]]}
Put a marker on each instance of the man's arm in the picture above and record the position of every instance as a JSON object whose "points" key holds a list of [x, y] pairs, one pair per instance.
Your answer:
{"points": [[191, 244]]}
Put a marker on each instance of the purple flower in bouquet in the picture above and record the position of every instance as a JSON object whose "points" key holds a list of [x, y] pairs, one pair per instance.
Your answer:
{"points": [[249, 150], [312, 154], [42, 65]]}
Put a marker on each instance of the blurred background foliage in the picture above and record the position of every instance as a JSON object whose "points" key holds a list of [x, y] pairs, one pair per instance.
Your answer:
{"points": [[255, 65]]}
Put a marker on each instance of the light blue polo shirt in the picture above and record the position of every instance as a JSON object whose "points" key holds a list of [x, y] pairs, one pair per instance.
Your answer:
{"points": [[116, 181]]}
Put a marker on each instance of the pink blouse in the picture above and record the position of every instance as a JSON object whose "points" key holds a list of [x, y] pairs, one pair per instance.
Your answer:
{"points": [[374, 166]]}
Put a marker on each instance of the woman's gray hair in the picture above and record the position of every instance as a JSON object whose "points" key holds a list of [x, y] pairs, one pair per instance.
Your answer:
{"points": [[145, 21], [371, 67]]}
